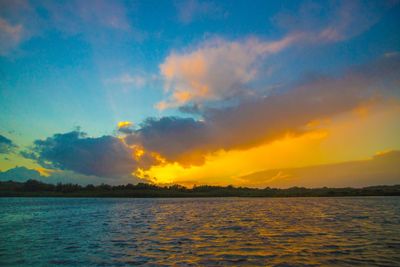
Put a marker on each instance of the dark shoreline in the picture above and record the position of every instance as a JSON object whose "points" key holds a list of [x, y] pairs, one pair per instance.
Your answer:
{"points": [[185, 197], [33, 188]]}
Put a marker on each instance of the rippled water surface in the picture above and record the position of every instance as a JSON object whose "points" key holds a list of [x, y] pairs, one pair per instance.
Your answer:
{"points": [[200, 232]]}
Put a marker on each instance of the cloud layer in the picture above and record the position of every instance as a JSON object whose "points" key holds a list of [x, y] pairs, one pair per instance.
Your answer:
{"points": [[230, 85], [247, 124], [251, 123]]}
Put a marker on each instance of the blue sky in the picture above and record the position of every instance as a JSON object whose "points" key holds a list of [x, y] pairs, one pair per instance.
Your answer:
{"points": [[92, 64]]}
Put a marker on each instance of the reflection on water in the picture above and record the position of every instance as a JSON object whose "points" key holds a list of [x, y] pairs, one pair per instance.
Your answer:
{"points": [[199, 232]]}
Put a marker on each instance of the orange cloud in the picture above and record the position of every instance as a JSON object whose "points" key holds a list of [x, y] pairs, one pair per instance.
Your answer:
{"points": [[381, 169], [222, 166], [226, 67], [253, 122], [216, 69], [343, 138]]}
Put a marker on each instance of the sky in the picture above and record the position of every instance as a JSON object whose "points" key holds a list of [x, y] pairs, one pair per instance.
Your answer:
{"points": [[257, 94]]}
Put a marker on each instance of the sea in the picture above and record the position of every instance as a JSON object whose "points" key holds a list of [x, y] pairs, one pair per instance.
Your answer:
{"points": [[342, 231]]}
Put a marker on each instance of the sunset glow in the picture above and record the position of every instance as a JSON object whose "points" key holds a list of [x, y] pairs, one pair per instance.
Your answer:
{"points": [[198, 93]]}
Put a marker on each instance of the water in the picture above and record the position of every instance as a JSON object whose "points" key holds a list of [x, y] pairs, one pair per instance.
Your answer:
{"points": [[200, 232]]}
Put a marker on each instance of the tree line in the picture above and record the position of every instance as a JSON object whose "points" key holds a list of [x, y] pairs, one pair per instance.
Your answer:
{"points": [[36, 188]]}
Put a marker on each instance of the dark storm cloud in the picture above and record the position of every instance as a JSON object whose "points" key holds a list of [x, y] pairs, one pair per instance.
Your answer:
{"points": [[102, 156], [6, 145]]}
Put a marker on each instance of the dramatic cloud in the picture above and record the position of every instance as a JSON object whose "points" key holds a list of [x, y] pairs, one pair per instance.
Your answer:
{"points": [[248, 124], [6, 145], [102, 156], [381, 169], [176, 139], [217, 69]]}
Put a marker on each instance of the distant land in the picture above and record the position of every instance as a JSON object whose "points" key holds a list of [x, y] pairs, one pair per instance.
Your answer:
{"points": [[33, 188]]}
